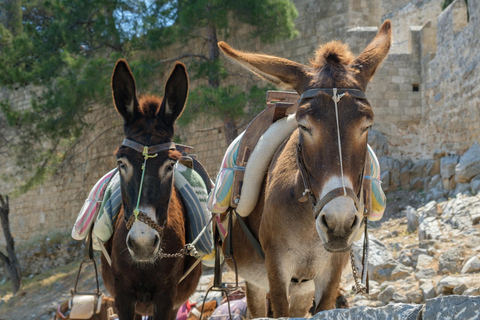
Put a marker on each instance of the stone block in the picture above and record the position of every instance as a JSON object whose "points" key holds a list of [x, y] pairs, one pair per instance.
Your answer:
{"points": [[447, 166], [451, 308], [469, 164]]}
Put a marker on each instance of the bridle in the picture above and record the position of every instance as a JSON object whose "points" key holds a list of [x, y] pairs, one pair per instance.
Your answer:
{"points": [[358, 198], [343, 191], [147, 152]]}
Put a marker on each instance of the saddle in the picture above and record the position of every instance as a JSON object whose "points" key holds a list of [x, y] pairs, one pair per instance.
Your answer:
{"points": [[279, 105]]}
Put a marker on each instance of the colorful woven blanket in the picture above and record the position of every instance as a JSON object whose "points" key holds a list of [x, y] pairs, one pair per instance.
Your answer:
{"points": [[219, 198], [106, 197]]}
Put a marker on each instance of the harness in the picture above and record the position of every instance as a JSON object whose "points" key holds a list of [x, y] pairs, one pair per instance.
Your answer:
{"points": [[151, 152], [359, 199]]}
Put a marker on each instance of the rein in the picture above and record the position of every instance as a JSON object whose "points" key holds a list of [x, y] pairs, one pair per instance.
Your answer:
{"points": [[358, 199]]}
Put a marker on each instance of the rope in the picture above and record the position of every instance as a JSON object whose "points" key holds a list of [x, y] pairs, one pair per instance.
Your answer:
{"points": [[146, 157], [336, 97]]}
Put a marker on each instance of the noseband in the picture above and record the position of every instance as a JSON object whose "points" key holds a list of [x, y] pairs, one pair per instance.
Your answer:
{"points": [[147, 152]]}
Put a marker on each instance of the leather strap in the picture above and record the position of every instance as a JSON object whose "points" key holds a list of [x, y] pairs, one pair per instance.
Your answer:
{"points": [[335, 193], [253, 240], [152, 149], [359, 94]]}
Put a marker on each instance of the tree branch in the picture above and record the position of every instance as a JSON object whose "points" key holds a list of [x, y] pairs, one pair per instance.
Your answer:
{"points": [[4, 258], [186, 55]]}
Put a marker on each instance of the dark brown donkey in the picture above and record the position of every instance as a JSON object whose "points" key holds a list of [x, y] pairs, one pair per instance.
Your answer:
{"points": [[307, 243], [143, 277]]}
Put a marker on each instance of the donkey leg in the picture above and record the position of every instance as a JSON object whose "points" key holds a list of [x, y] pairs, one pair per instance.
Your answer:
{"points": [[256, 300], [125, 304], [163, 304], [301, 299], [278, 283]]}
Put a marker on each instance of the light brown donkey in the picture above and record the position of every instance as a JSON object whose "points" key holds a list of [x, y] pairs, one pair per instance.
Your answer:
{"points": [[307, 243]]}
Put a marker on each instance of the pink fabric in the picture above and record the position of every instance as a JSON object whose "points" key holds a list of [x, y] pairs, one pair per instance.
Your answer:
{"points": [[86, 214], [184, 310]]}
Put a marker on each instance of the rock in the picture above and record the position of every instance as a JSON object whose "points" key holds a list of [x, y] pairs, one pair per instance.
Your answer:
{"points": [[435, 182], [475, 219], [412, 219], [451, 308], [429, 228], [416, 252], [463, 188], [400, 298], [449, 183], [472, 265], [378, 256], [469, 164], [417, 184], [428, 290], [459, 289], [424, 261], [405, 178], [471, 292], [435, 193], [427, 273], [395, 246], [415, 296], [447, 166], [432, 168], [418, 169], [387, 294], [378, 142], [447, 284], [475, 184], [400, 272], [448, 262], [390, 312], [404, 258]]}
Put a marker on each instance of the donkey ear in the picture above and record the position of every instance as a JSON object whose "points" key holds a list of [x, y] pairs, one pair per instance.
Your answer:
{"points": [[124, 91], [176, 92], [277, 70], [374, 53]]}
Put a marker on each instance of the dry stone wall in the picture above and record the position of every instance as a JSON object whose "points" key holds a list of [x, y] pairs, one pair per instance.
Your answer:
{"points": [[425, 97]]}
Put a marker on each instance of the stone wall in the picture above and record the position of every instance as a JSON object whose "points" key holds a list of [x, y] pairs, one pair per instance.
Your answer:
{"points": [[424, 96], [452, 81]]}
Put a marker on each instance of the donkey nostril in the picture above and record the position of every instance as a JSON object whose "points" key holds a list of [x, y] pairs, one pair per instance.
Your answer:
{"points": [[355, 219], [130, 243], [324, 221], [156, 241]]}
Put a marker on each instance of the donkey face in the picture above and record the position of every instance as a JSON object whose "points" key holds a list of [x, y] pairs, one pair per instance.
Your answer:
{"points": [[334, 66], [148, 121]]}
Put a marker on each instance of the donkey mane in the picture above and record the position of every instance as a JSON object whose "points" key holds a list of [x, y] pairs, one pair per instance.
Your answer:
{"points": [[149, 105], [334, 53]]}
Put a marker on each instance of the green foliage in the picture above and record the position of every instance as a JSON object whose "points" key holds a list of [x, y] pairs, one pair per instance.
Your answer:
{"points": [[272, 19], [227, 102], [68, 49]]}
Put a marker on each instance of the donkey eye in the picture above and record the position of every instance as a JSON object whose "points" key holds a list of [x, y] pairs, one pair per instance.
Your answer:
{"points": [[368, 128], [170, 166], [303, 128], [121, 165]]}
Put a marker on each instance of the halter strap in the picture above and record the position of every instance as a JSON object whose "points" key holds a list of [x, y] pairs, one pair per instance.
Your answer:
{"points": [[152, 149], [359, 94], [335, 193]]}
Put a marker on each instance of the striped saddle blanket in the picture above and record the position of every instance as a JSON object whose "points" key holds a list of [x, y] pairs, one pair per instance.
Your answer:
{"points": [[106, 197]]}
